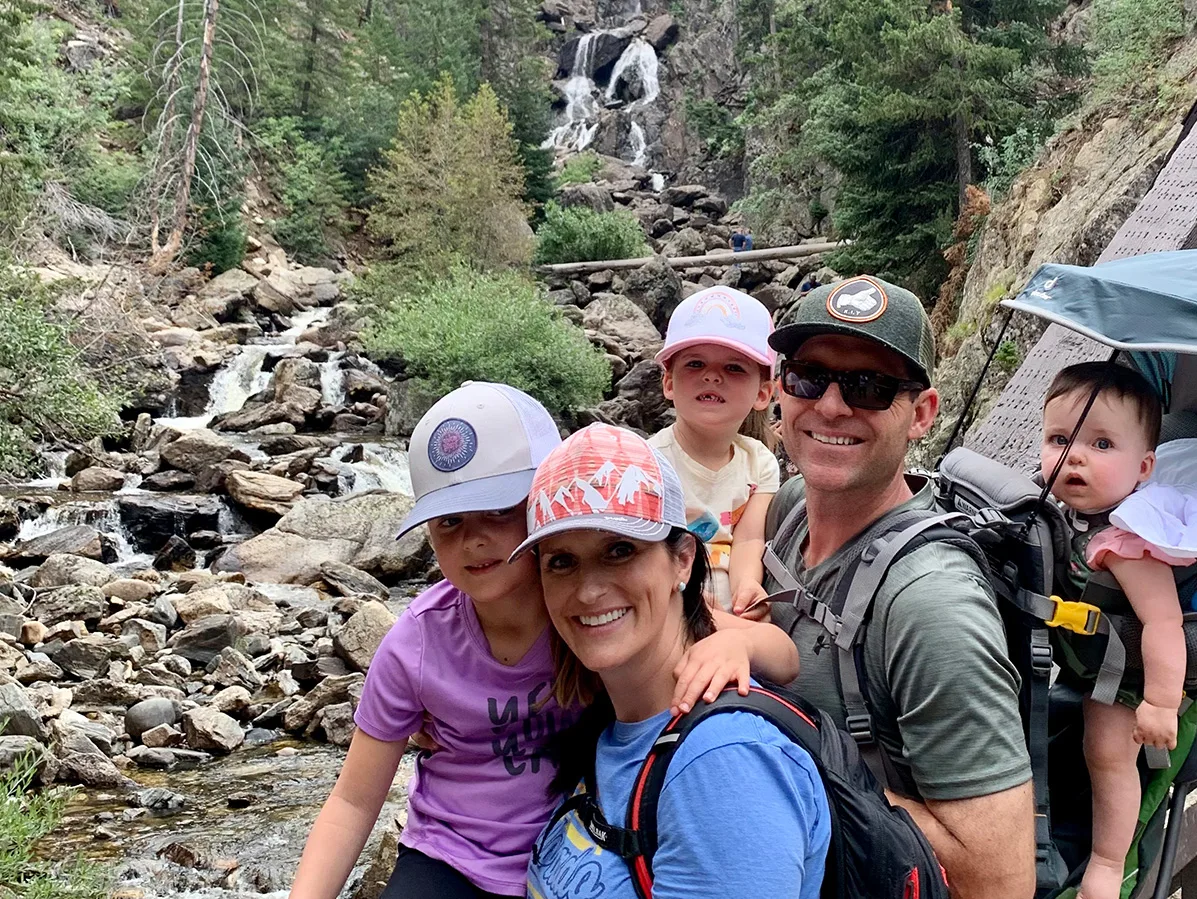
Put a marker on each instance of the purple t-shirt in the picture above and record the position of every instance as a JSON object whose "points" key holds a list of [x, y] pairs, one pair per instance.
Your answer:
{"points": [[478, 803]]}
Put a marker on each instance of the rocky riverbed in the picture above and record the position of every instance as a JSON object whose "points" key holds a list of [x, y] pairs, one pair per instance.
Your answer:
{"points": [[188, 608]]}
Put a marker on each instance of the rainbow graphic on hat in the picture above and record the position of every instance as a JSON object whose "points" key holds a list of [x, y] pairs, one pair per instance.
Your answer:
{"points": [[719, 303]]}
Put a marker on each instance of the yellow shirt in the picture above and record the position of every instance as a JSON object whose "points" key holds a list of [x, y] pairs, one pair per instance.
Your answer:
{"points": [[715, 499]]}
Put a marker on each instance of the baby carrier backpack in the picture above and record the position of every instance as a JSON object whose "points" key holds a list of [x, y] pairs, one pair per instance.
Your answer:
{"points": [[995, 515], [876, 850]]}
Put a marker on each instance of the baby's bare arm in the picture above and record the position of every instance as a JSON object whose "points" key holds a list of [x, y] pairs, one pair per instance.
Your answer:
{"points": [[1151, 589]]}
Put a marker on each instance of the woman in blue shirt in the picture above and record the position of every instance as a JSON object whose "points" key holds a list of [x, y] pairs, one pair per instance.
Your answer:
{"points": [[742, 811]]}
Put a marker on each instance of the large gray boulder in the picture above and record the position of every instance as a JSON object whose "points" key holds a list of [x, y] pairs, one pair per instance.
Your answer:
{"points": [[349, 581], [212, 731], [151, 713], [359, 639], [199, 449], [76, 539], [234, 282], [588, 196], [622, 328], [62, 569], [77, 603], [201, 641], [358, 530], [656, 289], [18, 715]]}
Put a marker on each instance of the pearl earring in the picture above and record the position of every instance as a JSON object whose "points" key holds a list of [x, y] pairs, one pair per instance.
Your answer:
{"points": [[681, 587]]}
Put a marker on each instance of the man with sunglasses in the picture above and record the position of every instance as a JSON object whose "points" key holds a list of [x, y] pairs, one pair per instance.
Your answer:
{"points": [[942, 694]]}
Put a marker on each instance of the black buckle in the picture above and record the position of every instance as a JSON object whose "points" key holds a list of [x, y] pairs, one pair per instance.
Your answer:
{"points": [[988, 517], [860, 728], [1041, 661]]}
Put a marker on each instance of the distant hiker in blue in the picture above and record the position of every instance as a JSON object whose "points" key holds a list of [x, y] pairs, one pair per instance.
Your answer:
{"points": [[741, 240]]}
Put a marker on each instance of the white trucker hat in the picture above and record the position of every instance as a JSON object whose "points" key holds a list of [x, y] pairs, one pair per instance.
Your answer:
{"points": [[476, 450], [604, 478], [722, 316]]}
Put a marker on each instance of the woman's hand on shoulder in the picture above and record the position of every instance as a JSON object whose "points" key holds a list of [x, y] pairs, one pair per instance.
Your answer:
{"points": [[710, 665]]}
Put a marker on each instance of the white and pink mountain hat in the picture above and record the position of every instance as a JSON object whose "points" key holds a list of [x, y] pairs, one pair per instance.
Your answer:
{"points": [[604, 478]]}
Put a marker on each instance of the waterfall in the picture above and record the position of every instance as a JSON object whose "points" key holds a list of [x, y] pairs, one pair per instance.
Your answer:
{"points": [[244, 373], [105, 517], [641, 59], [577, 129], [382, 467], [332, 380], [638, 143]]}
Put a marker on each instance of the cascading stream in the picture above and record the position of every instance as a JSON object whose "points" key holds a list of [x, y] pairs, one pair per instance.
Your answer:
{"points": [[632, 86]]}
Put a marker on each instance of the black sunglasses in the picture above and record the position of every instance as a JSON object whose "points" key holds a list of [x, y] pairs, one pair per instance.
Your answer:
{"points": [[860, 389]]}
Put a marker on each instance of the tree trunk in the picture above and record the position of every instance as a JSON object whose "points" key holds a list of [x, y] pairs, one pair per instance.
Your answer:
{"points": [[162, 256], [309, 67], [366, 13], [964, 157]]}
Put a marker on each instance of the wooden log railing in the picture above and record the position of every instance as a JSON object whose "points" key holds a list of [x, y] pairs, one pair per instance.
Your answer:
{"points": [[796, 251]]}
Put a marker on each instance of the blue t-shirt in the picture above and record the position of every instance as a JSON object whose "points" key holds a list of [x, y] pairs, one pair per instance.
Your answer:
{"points": [[742, 813]]}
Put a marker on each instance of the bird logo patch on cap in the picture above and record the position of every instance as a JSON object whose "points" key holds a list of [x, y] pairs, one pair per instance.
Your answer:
{"points": [[452, 445], [857, 300]]}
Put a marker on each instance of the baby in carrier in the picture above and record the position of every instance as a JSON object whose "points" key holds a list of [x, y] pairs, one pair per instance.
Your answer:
{"points": [[1137, 535]]}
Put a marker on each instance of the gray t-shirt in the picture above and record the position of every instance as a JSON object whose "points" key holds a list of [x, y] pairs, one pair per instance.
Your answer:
{"points": [[943, 692]]}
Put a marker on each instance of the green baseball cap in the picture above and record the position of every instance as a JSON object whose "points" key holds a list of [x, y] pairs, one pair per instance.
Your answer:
{"points": [[862, 307]]}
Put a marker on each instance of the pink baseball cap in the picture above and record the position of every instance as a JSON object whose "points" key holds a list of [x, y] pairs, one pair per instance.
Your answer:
{"points": [[604, 478], [722, 316]]}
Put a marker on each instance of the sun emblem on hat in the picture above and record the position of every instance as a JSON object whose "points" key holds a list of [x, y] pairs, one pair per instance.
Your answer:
{"points": [[857, 300], [452, 445]]}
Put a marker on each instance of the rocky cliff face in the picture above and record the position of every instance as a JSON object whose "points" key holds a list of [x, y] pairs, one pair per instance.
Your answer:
{"points": [[625, 70], [1065, 209]]}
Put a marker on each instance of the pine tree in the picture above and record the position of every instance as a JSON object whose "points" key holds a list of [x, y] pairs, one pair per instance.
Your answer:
{"points": [[893, 95], [450, 184]]}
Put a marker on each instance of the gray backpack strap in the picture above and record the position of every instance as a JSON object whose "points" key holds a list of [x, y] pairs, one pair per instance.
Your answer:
{"points": [[862, 588]]}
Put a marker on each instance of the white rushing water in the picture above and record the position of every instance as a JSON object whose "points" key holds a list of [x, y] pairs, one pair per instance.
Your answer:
{"points": [[580, 120], [635, 73], [381, 467], [104, 516], [244, 374], [638, 143], [639, 59]]}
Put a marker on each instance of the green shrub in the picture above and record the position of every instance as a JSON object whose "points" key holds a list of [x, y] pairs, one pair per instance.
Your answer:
{"points": [[1008, 356], [489, 327], [308, 177], [578, 234], [580, 169], [715, 125], [25, 818], [107, 181], [1006, 160], [217, 239], [45, 389], [1132, 39]]}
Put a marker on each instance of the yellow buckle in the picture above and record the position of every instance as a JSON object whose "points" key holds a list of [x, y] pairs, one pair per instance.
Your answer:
{"points": [[1078, 617]]}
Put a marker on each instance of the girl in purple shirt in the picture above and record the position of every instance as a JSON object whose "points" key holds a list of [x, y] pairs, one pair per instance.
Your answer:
{"points": [[470, 663]]}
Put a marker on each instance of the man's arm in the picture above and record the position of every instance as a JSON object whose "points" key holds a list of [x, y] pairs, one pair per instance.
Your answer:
{"points": [[986, 844], [955, 694]]}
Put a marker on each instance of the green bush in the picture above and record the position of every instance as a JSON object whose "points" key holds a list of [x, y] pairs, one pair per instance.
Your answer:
{"points": [[488, 327], [107, 181], [309, 179], [45, 389], [715, 125], [1008, 356], [1009, 157], [580, 169], [217, 240], [25, 818], [1132, 39], [578, 234]]}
